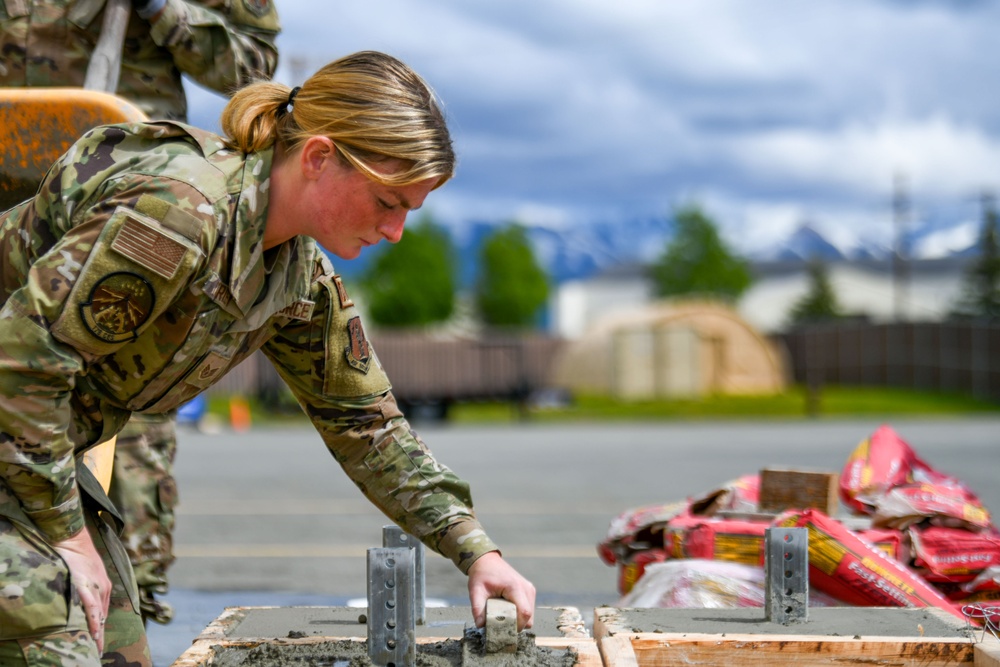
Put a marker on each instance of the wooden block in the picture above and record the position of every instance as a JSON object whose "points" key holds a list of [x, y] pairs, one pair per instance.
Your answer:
{"points": [[668, 650], [500, 632], [782, 490]]}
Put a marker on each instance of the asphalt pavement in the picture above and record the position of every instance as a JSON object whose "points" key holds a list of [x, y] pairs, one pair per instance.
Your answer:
{"points": [[267, 518]]}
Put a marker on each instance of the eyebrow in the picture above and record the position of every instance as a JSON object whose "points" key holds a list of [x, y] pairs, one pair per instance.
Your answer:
{"points": [[404, 202]]}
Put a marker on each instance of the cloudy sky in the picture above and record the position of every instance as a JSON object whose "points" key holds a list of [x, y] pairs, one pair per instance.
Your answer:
{"points": [[767, 113]]}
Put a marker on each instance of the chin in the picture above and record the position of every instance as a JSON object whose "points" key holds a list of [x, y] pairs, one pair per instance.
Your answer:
{"points": [[346, 253]]}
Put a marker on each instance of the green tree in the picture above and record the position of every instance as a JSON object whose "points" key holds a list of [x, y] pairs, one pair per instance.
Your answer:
{"points": [[511, 286], [819, 303], [981, 294], [412, 283], [696, 261]]}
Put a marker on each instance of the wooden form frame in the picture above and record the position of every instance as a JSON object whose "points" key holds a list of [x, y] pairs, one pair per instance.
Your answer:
{"points": [[621, 646]]}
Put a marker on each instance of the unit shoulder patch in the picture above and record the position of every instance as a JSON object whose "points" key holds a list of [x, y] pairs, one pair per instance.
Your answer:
{"points": [[358, 352], [118, 305]]}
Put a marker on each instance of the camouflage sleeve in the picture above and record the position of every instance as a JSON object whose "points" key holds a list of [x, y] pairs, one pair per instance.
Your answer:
{"points": [[51, 328], [336, 377], [222, 48]]}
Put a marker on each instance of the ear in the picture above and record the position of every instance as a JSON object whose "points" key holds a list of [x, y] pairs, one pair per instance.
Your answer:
{"points": [[314, 154]]}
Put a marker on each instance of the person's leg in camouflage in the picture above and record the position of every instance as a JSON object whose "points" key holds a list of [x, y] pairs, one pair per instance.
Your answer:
{"points": [[145, 493], [42, 622]]}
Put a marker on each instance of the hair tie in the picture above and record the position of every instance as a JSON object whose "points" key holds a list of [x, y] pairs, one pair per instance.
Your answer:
{"points": [[291, 96]]}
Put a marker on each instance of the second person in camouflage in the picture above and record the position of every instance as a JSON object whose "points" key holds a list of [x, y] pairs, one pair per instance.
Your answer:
{"points": [[221, 45], [158, 256]]}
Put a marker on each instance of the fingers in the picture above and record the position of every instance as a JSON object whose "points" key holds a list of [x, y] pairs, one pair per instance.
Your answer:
{"points": [[491, 576], [90, 579], [96, 610], [525, 608], [477, 598]]}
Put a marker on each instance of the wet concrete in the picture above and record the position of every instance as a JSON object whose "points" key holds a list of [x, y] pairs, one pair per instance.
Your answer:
{"points": [[828, 621], [351, 622], [347, 653]]}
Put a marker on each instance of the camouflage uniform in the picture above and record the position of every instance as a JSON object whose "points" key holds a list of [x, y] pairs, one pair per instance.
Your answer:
{"points": [[222, 44], [144, 491], [136, 279]]}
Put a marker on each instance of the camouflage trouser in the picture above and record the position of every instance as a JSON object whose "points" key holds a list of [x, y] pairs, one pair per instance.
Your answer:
{"points": [[42, 622], [144, 491]]}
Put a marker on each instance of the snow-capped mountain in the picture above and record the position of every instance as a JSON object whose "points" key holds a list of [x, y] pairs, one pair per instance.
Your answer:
{"points": [[579, 251]]}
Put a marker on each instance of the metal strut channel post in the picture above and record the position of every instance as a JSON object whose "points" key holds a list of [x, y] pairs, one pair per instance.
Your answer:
{"points": [[391, 629], [393, 536], [786, 565]]}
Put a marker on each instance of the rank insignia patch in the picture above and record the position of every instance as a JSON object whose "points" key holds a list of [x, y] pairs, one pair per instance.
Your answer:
{"points": [[208, 370], [119, 304], [358, 353], [345, 301]]}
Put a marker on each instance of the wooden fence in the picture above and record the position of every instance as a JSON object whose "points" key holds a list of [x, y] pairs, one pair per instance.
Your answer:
{"points": [[937, 356], [962, 357], [426, 370]]}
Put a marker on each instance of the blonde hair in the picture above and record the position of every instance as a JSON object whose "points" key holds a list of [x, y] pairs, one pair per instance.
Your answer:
{"points": [[371, 105]]}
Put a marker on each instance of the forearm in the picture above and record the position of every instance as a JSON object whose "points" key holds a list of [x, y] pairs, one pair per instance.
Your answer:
{"points": [[212, 49], [36, 455], [394, 469]]}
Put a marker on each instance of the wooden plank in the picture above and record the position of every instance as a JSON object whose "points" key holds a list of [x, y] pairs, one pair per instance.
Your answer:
{"points": [[783, 489], [670, 650], [617, 651], [988, 652]]}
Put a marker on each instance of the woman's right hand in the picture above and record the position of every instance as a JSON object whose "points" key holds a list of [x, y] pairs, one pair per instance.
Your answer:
{"points": [[91, 580]]}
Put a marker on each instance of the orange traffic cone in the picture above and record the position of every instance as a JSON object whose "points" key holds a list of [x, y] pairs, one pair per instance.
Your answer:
{"points": [[239, 414]]}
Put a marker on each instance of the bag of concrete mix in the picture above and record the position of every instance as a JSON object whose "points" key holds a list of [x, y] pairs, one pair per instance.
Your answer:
{"points": [[850, 569], [632, 568], [893, 543], [935, 503], [699, 584], [883, 462], [637, 529], [953, 555], [738, 495], [712, 538]]}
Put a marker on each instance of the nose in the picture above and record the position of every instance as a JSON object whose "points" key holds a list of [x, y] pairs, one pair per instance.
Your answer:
{"points": [[392, 228]]}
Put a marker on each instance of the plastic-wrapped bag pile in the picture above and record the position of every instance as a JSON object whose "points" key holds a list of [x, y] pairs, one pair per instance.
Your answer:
{"points": [[930, 542]]}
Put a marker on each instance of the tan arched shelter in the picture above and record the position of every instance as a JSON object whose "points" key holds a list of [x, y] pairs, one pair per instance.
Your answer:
{"points": [[672, 349]]}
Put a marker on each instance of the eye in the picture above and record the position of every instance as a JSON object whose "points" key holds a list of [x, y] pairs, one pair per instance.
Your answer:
{"points": [[384, 204]]}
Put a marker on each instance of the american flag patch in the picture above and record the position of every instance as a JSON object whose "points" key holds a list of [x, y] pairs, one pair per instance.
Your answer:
{"points": [[149, 247]]}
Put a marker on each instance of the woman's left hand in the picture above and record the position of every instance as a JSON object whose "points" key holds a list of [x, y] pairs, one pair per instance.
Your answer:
{"points": [[492, 577], [90, 579]]}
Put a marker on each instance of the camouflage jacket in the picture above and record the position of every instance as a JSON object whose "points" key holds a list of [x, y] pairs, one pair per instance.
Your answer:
{"points": [[221, 44], [135, 279]]}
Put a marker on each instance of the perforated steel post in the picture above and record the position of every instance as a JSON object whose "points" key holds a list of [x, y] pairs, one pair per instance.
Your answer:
{"points": [[393, 536], [391, 628], [786, 564]]}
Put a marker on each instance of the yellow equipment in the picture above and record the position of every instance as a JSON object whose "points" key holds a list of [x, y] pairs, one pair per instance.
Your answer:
{"points": [[37, 125]]}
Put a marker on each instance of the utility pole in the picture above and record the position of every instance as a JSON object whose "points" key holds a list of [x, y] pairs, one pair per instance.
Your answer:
{"points": [[900, 269]]}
